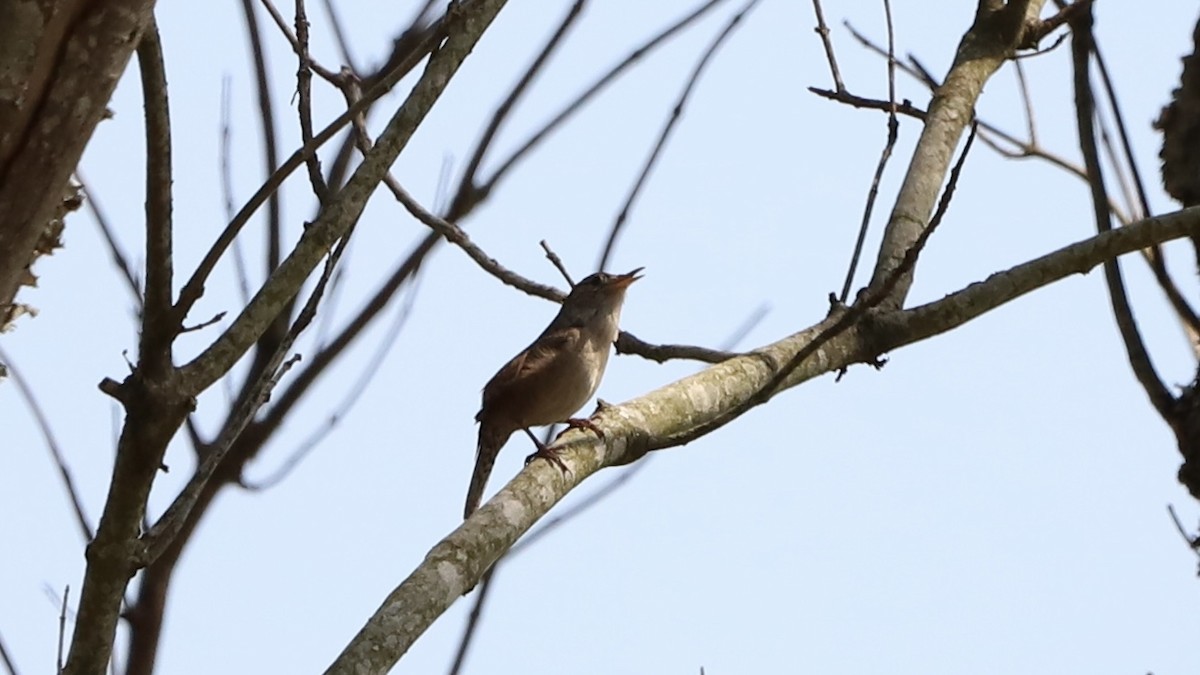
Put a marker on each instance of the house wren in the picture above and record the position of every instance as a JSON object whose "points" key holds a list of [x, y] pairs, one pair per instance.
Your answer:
{"points": [[553, 377]]}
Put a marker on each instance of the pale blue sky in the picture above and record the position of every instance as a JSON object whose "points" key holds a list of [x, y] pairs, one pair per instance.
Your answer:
{"points": [[992, 501]]}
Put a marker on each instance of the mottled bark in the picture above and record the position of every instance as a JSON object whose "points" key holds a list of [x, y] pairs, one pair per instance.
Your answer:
{"points": [[59, 64]]}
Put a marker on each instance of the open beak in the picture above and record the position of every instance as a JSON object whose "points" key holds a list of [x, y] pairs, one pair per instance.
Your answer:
{"points": [[623, 280]]}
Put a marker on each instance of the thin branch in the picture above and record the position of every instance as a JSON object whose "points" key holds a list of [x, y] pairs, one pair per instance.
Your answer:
{"points": [[194, 288], [843, 317], [226, 170], [453, 233], [628, 343], [56, 453], [1121, 176], [893, 134], [1135, 348], [7, 659], [299, 45], [266, 111], [595, 88], [159, 324], [292, 394], [339, 32], [1192, 542], [904, 107], [1026, 102], [110, 239], [304, 108], [823, 31], [62, 627], [672, 120], [467, 187], [1183, 309], [469, 20], [1023, 149], [162, 534], [369, 371], [557, 262]]}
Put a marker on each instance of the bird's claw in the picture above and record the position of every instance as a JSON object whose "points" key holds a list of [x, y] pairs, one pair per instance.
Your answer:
{"points": [[581, 423], [552, 455]]}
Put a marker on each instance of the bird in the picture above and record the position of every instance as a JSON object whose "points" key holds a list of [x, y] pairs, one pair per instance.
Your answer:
{"points": [[553, 377]]}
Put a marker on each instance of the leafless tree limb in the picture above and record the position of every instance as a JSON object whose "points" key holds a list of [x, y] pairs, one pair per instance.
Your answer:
{"points": [[599, 495], [226, 170], [893, 134], [557, 262], [583, 98], [120, 261], [1139, 359], [163, 533], [655, 420], [467, 192], [369, 371], [159, 324], [304, 109], [823, 30]]}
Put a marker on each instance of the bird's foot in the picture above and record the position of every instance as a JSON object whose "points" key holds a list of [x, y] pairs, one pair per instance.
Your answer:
{"points": [[552, 455], [581, 423]]}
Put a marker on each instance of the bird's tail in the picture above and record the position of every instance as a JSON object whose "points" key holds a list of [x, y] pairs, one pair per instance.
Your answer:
{"points": [[491, 439]]}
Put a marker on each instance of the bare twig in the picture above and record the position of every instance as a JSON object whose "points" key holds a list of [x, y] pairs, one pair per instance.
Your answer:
{"points": [[369, 371], [339, 32], [1183, 309], [823, 31], [298, 44], [1192, 542], [595, 88], [557, 262], [454, 234], [62, 627], [110, 238], [194, 288], [868, 299], [159, 537], [226, 169], [7, 659], [672, 120], [60, 460], [628, 343], [304, 108], [893, 134], [1135, 348], [216, 318], [1026, 102], [990, 134], [902, 108], [1040, 29], [467, 186], [266, 111]]}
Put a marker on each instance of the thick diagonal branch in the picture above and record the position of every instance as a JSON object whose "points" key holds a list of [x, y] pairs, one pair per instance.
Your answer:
{"points": [[632, 429]]}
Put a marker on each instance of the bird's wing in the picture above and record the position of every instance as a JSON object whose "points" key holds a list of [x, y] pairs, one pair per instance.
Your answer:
{"points": [[523, 369]]}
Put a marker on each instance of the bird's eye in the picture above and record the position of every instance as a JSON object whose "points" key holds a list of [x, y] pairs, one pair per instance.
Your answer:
{"points": [[594, 280]]}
